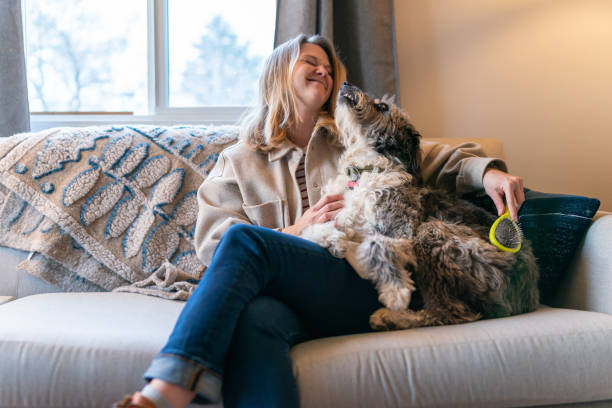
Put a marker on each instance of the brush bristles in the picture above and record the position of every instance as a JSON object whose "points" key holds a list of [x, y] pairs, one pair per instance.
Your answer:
{"points": [[508, 233]]}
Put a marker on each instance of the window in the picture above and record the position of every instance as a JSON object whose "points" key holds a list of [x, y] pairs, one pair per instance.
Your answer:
{"points": [[86, 55], [157, 60], [215, 55]]}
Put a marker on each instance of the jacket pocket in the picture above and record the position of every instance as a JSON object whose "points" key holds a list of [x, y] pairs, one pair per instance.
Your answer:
{"points": [[268, 214]]}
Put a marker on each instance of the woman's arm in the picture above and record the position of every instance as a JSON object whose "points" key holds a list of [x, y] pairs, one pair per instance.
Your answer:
{"points": [[465, 168], [220, 205], [457, 168]]}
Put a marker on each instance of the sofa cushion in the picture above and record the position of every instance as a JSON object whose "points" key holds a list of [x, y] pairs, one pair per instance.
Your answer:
{"points": [[79, 349], [555, 225], [9, 279], [547, 357], [88, 349]]}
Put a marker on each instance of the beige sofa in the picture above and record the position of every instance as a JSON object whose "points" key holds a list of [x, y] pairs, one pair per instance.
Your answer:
{"points": [[88, 349]]}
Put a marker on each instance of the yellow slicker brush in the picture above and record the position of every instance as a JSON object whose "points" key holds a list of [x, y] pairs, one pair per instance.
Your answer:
{"points": [[505, 234]]}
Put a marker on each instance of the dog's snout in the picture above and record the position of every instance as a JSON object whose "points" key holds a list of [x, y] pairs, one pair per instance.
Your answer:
{"points": [[348, 94]]}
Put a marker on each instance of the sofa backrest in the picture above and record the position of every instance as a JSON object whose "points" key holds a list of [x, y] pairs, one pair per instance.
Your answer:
{"points": [[491, 146]]}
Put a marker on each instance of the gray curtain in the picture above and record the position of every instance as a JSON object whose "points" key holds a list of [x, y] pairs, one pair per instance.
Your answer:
{"points": [[362, 30], [14, 108]]}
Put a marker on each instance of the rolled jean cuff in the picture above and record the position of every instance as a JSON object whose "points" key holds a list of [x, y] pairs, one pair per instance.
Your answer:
{"points": [[187, 374]]}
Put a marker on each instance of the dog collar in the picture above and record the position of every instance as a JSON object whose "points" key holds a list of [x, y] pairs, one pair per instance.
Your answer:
{"points": [[354, 173]]}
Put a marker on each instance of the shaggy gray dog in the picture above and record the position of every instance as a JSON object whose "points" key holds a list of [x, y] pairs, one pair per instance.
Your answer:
{"points": [[404, 236]]}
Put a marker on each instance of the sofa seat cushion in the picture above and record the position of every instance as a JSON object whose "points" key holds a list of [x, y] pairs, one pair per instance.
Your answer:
{"points": [[88, 349], [551, 356], [79, 349]]}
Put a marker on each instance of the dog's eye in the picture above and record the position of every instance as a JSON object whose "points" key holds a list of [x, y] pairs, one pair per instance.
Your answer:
{"points": [[382, 107]]}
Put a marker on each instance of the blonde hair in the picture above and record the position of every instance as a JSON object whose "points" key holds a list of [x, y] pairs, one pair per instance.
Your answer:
{"points": [[265, 127]]}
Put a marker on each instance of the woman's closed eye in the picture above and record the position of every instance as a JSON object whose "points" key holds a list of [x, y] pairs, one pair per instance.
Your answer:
{"points": [[314, 62]]}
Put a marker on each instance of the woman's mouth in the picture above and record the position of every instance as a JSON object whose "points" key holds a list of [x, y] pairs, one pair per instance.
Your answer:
{"points": [[319, 81]]}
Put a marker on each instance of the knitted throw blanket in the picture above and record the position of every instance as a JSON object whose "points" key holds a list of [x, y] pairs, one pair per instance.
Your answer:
{"points": [[108, 208]]}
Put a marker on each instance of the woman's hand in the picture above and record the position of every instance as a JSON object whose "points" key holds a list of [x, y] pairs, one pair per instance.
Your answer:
{"points": [[499, 185], [324, 210]]}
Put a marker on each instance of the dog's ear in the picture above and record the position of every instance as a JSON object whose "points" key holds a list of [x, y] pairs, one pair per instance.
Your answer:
{"points": [[388, 99], [408, 149], [410, 140], [403, 146]]}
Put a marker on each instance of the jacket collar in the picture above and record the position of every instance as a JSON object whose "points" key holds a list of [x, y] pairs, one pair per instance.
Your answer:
{"points": [[279, 152]]}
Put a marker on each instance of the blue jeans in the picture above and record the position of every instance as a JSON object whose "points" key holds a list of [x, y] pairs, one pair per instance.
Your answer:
{"points": [[263, 292]]}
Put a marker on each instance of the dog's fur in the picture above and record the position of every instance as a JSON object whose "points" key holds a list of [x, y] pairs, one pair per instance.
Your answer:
{"points": [[402, 235]]}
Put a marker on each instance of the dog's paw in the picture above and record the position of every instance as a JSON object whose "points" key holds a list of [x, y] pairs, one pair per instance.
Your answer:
{"points": [[387, 319], [321, 234], [380, 320], [311, 234], [337, 248], [395, 298], [327, 236]]}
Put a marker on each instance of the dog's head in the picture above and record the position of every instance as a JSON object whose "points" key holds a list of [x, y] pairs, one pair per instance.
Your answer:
{"points": [[378, 125]]}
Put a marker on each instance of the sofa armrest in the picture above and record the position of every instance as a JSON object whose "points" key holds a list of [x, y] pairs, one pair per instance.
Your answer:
{"points": [[15, 282], [588, 283], [9, 276]]}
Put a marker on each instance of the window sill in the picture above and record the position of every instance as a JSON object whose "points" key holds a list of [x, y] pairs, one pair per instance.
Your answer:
{"points": [[208, 116]]}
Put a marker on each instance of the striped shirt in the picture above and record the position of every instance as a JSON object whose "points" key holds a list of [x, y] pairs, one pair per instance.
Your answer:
{"points": [[300, 176]]}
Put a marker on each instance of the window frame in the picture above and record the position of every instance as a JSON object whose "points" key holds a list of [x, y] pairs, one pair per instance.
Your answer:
{"points": [[159, 111]]}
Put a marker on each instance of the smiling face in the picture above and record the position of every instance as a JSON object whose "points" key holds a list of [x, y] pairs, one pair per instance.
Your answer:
{"points": [[312, 78]]}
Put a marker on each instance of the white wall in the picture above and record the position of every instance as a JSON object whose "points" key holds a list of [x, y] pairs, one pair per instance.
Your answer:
{"points": [[535, 73]]}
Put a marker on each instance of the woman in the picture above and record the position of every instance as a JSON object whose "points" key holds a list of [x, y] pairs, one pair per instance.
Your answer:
{"points": [[265, 289]]}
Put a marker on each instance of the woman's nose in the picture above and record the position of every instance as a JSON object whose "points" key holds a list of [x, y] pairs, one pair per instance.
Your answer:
{"points": [[321, 70]]}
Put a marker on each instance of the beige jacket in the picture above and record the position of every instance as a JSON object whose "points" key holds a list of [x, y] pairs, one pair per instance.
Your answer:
{"points": [[260, 188]]}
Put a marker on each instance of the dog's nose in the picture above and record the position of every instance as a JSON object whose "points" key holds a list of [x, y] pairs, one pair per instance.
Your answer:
{"points": [[346, 86]]}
